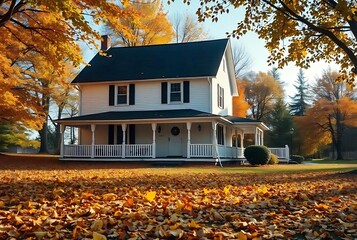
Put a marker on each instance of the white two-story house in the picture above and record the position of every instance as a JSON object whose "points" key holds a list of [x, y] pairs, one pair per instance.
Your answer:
{"points": [[159, 102]]}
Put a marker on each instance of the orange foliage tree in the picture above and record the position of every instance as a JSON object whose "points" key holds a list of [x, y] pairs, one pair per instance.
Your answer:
{"points": [[50, 32], [240, 106], [325, 122]]}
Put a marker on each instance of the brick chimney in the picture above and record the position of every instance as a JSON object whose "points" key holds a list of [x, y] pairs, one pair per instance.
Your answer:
{"points": [[105, 43]]}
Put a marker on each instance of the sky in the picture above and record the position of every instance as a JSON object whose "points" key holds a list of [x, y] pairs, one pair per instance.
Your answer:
{"points": [[252, 45]]}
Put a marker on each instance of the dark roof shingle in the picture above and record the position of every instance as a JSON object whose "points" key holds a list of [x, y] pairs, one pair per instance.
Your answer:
{"points": [[193, 59]]}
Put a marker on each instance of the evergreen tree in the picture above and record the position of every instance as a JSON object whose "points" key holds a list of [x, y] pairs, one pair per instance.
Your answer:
{"points": [[300, 100], [280, 123]]}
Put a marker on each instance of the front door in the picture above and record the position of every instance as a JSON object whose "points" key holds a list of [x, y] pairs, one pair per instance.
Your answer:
{"points": [[175, 148]]}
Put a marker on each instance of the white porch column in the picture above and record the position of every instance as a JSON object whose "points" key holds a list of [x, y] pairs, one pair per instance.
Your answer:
{"points": [[261, 137], [256, 139], [153, 127], [214, 139], [188, 124], [92, 128], [123, 128], [62, 129], [242, 143], [236, 141]]}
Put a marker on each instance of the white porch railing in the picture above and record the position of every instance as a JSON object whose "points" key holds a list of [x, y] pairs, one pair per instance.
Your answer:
{"points": [[138, 150], [77, 151], [107, 150], [146, 150], [201, 150]]}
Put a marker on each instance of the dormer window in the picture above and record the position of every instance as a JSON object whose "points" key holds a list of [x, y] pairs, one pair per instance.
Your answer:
{"points": [[175, 92], [122, 95]]}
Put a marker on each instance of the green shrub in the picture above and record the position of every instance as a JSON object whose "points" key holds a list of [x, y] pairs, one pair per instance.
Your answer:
{"points": [[273, 159], [297, 158], [257, 155]]}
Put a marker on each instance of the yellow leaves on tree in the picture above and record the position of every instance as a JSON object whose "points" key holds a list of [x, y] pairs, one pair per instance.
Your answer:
{"points": [[303, 32], [240, 106], [49, 32], [149, 26]]}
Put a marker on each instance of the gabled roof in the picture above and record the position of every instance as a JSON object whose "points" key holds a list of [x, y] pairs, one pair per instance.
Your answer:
{"points": [[178, 60]]}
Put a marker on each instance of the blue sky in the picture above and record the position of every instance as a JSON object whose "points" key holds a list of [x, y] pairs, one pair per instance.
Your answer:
{"points": [[253, 46]]}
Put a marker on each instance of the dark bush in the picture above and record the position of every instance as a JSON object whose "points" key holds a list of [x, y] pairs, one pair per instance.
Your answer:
{"points": [[297, 158], [257, 155], [273, 159]]}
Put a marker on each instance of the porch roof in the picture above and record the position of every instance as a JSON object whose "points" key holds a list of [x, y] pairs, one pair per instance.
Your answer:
{"points": [[159, 115], [139, 115]]}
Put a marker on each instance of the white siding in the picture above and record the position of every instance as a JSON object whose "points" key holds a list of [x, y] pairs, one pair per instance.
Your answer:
{"points": [[95, 97], [223, 80]]}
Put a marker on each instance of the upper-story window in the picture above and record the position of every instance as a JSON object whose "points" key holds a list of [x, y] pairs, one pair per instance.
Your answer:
{"points": [[175, 92], [122, 94], [220, 96]]}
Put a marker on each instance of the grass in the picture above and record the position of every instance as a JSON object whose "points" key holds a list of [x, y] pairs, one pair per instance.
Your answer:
{"points": [[51, 162], [332, 161]]}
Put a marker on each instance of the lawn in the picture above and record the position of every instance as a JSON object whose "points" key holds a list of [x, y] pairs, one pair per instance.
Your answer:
{"points": [[43, 198]]}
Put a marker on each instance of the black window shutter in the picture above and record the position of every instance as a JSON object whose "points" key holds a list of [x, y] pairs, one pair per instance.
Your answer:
{"points": [[164, 92], [110, 134], [131, 94], [131, 134], [111, 95], [186, 91], [119, 135]]}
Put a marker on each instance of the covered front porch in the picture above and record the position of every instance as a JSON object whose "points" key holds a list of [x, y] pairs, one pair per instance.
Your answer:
{"points": [[197, 137]]}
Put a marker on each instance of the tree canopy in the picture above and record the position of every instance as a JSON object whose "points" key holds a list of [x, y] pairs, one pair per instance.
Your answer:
{"points": [[149, 25], [51, 31], [297, 31]]}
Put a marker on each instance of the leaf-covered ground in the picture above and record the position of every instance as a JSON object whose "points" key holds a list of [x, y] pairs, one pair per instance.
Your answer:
{"points": [[47, 199]]}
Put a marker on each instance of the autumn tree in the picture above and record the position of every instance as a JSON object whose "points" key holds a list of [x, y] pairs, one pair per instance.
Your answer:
{"points": [[262, 91], [297, 31], [299, 102], [152, 25], [13, 134], [52, 31], [188, 29], [335, 108], [240, 106]]}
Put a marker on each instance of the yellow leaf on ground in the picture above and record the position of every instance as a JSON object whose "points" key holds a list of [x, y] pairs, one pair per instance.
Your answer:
{"points": [[241, 236], [150, 196], [98, 236]]}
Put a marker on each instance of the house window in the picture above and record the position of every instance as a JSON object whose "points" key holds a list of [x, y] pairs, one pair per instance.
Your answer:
{"points": [[220, 96], [220, 135], [175, 92], [122, 95]]}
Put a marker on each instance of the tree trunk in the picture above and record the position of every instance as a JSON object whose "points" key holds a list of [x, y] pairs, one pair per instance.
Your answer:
{"points": [[43, 138]]}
